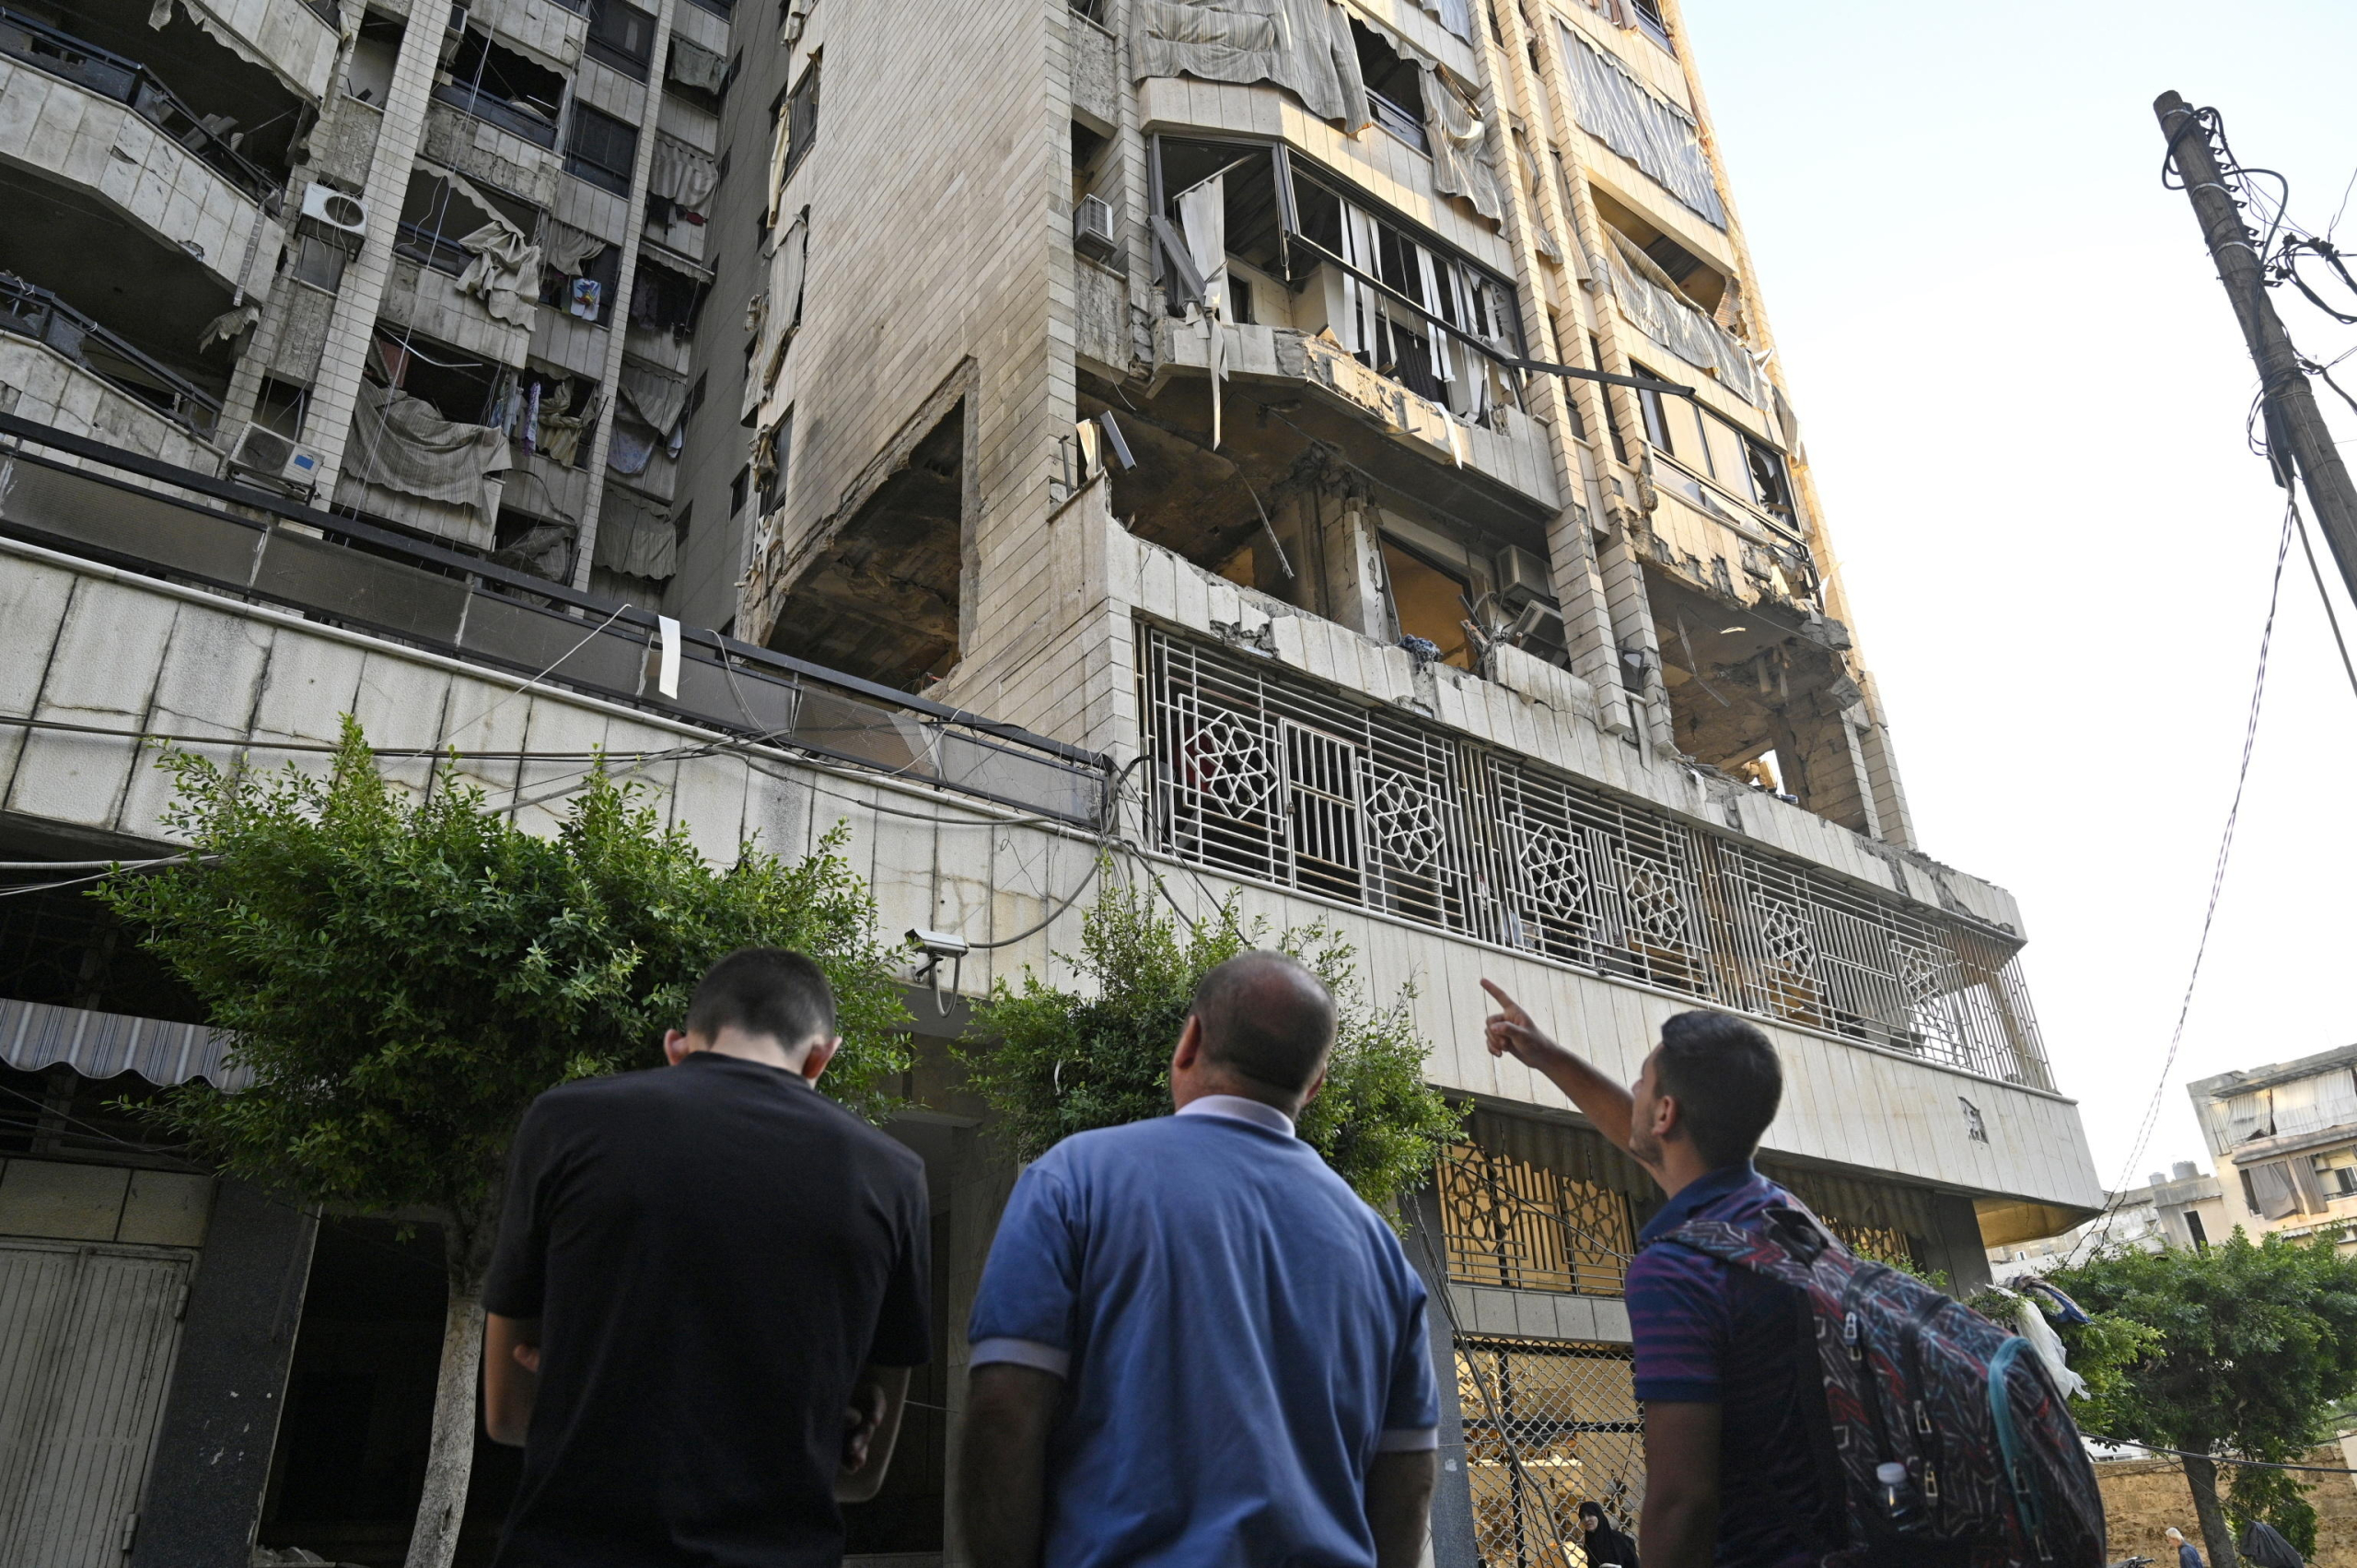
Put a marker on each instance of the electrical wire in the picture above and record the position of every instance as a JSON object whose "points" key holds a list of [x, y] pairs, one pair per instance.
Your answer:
{"points": [[2332, 616], [2102, 1233], [2217, 1458]]}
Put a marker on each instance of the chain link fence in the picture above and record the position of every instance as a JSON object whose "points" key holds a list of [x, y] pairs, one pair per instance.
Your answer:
{"points": [[1548, 1425]]}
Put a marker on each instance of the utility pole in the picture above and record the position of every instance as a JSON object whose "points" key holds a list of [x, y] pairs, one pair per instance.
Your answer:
{"points": [[2296, 437]]}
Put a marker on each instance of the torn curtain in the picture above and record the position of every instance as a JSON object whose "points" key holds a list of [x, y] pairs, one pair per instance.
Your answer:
{"points": [[635, 535], [403, 443], [1304, 46], [567, 249], [504, 273], [1460, 159], [681, 174]]}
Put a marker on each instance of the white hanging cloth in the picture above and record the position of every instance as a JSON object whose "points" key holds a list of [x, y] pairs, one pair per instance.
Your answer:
{"points": [[1202, 219]]}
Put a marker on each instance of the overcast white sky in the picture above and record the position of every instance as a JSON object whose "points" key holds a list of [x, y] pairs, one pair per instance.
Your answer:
{"points": [[2022, 392]]}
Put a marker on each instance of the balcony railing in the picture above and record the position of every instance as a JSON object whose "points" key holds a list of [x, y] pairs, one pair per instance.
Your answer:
{"points": [[62, 55], [494, 110], [1277, 780], [36, 313], [342, 571]]}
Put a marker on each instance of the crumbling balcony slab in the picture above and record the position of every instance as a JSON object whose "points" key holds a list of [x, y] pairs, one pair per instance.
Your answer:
{"points": [[60, 130], [1513, 455], [38, 382]]}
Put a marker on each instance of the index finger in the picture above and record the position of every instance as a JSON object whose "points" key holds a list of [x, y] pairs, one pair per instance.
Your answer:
{"points": [[1508, 1002]]}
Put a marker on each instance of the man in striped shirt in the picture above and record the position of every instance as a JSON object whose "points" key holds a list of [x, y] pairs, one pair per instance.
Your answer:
{"points": [[1735, 1415]]}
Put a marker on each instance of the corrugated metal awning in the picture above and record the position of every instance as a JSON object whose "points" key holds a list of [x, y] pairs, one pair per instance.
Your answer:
{"points": [[34, 1035]]}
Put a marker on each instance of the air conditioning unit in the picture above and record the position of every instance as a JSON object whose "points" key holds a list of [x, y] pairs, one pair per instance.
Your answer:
{"points": [[1521, 576], [331, 215], [263, 453], [1092, 230]]}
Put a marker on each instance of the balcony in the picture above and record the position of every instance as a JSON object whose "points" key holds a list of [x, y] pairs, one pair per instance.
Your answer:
{"points": [[101, 134], [1503, 445], [70, 371], [1278, 780]]}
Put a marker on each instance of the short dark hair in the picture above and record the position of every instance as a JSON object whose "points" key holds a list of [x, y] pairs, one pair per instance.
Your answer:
{"points": [[1727, 1081], [1266, 1018], [765, 991]]}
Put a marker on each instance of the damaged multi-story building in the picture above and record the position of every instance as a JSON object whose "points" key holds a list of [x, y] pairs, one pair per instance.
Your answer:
{"points": [[1327, 454]]}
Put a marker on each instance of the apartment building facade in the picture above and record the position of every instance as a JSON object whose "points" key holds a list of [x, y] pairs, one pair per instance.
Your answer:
{"points": [[2181, 1207], [2284, 1137], [1326, 453]]}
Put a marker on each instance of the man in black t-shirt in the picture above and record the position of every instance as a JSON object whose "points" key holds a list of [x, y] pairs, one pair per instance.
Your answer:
{"points": [[710, 1286]]}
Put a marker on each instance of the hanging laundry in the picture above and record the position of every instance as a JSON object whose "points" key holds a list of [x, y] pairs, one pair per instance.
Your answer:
{"points": [[631, 448], [589, 299]]}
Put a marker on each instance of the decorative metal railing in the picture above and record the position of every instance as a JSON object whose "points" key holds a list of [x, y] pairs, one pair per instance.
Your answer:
{"points": [[1275, 778]]}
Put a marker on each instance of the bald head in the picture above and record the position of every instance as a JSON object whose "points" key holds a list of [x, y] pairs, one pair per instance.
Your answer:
{"points": [[1266, 1019]]}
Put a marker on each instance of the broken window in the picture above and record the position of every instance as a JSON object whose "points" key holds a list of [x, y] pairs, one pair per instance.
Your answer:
{"points": [[623, 36], [800, 116], [587, 292], [1395, 86], [1401, 304], [1649, 20], [550, 413], [502, 88], [665, 296], [1739, 462], [1429, 602], [601, 149], [436, 214], [461, 389]]}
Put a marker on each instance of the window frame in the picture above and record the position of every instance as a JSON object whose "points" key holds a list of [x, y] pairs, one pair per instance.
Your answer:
{"points": [[576, 161]]}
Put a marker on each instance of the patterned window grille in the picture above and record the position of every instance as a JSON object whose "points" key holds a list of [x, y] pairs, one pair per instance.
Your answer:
{"points": [[1279, 780], [1506, 1222], [1547, 1427]]}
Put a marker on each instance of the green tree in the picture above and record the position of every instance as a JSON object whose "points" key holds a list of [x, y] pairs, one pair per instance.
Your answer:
{"points": [[402, 977], [1052, 1062], [2250, 1346]]}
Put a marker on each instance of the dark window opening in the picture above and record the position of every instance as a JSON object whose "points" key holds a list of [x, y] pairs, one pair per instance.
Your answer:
{"points": [[737, 484], [595, 303], [1239, 300], [279, 406], [1649, 404], [801, 119], [663, 301], [502, 88], [1650, 18], [601, 149], [1672, 258], [525, 539], [623, 36], [2198, 1231], [315, 262], [881, 599], [718, 7], [776, 453], [461, 388], [433, 218], [1395, 87]]}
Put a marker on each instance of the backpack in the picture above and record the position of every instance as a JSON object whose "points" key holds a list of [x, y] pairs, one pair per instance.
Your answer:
{"points": [[1999, 1475]]}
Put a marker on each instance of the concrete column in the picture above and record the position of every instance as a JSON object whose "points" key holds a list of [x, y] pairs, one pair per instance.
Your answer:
{"points": [[1350, 557], [336, 392], [204, 1488], [633, 225]]}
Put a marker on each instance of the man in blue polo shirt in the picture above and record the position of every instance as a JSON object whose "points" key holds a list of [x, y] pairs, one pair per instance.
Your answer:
{"points": [[1192, 1343], [1735, 1413]]}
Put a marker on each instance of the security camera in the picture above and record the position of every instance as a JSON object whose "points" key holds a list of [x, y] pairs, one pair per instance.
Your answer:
{"points": [[938, 945]]}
